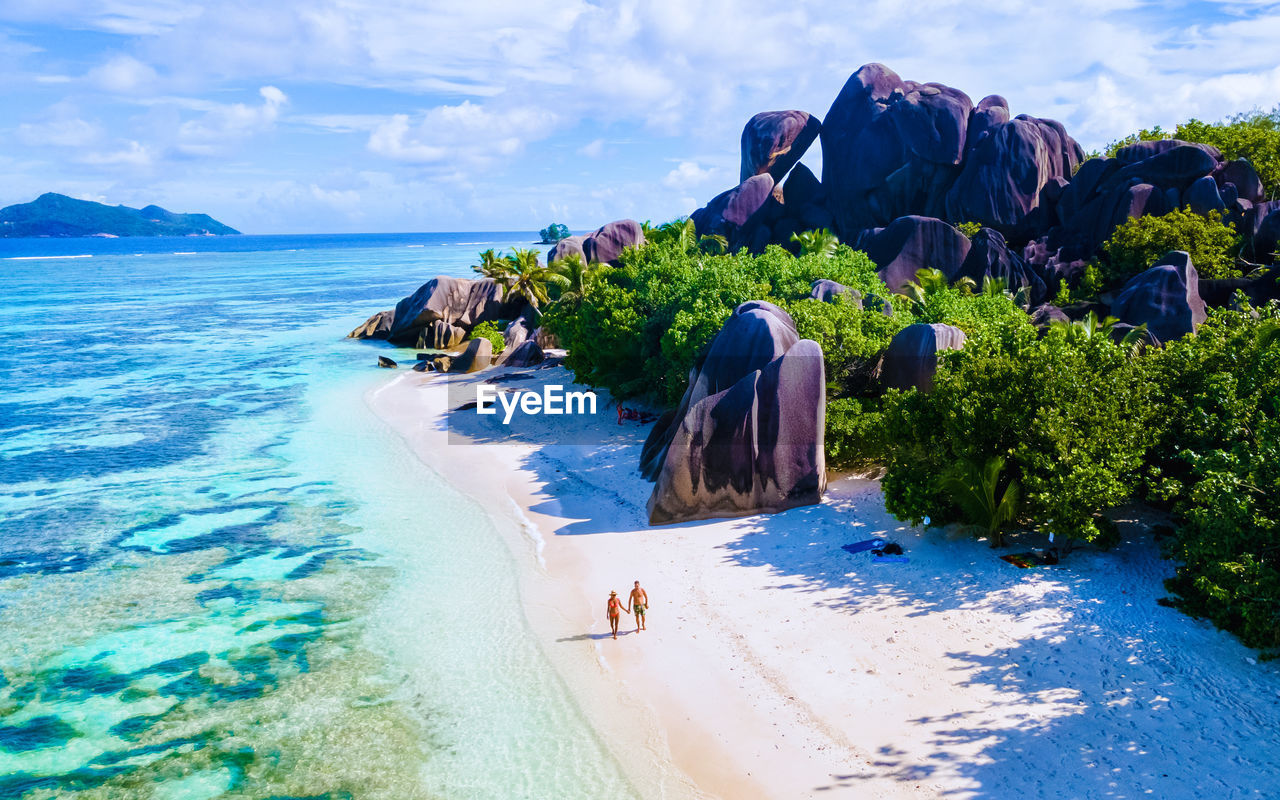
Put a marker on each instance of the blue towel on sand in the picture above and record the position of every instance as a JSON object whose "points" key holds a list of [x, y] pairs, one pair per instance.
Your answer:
{"points": [[862, 547]]}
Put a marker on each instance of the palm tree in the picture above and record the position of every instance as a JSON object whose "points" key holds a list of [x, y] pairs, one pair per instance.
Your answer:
{"points": [[713, 244], [575, 274], [820, 242], [526, 277], [1091, 326], [681, 232], [491, 265], [974, 491]]}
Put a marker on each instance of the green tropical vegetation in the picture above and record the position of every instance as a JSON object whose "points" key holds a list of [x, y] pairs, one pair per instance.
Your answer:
{"points": [[491, 331], [1138, 243], [553, 233], [523, 275], [1024, 429]]}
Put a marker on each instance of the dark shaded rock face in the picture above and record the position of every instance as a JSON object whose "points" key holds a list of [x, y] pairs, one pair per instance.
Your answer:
{"points": [[440, 335], [456, 301], [525, 355], [802, 189], [890, 148], [519, 330], [755, 447], [990, 257], [910, 244], [728, 213], [1166, 298], [608, 242], [477, 356], [1267, 236], [773, 141], [383, 361], [1007, 166], [567, 247], [826, 291], [755, 334], [1045, 315], [911, 359], [376, 327]]}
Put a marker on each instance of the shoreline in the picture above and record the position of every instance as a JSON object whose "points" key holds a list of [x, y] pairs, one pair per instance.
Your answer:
{"points": [[778, 665]]}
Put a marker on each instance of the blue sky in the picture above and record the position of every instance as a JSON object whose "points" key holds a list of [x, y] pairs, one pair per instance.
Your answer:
{"points": [[401, 115]]}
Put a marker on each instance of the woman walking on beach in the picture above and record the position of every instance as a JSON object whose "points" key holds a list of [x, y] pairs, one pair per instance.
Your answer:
{"points": [[614, 611]]}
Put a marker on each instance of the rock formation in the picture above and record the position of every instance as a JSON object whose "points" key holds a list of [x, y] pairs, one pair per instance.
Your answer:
{"points": [[606, 244], [1165, 298], [911, 359], [774, 141], [747, 437]]}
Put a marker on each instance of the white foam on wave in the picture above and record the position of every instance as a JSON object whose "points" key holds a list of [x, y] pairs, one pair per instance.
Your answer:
{"points": [[530, 530], [44, 258]]}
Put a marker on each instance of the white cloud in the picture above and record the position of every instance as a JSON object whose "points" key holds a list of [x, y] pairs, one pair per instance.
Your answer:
{"points": [[688, 175], [122, 74], [133, 155], [464, 135], [225, 124], [592, 149], [74, 132]]}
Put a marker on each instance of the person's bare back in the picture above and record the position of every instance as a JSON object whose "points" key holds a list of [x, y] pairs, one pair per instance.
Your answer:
{"points": [[638, 603]]}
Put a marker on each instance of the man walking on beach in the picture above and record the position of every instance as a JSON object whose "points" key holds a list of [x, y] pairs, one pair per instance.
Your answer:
{"points": [[614, 611], [638, 602]]}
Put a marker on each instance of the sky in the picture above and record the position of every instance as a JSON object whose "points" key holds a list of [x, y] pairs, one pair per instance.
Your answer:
{"points": [[314, 116]]}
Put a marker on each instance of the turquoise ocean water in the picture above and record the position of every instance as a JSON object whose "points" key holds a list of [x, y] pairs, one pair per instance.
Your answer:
{"points": [[220, 575]]}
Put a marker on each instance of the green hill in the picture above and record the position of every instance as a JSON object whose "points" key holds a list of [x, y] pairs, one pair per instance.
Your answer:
{"points": [[58, 215]]}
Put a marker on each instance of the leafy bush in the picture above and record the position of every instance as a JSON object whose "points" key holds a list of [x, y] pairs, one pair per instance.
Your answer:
{"points": [[554, 233], [851, 339], [969, 229], [855, 435], [644, 324], [1064, 411], [1140, 242], [1217, 465], [491, 331]]}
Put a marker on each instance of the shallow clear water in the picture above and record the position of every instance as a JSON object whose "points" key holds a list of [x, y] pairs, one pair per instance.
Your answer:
{"points": [[220, 576]]}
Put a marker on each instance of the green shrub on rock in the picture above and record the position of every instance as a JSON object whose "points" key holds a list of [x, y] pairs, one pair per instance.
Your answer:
{"points": [[491, 331], [1139, 243]]}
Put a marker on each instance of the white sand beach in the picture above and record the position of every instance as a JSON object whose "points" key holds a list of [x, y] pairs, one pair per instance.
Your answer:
{"points": [[778, 665]]}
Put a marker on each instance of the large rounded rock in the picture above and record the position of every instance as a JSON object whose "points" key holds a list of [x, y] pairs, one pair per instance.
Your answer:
{"points": [[890, 148], [755, 447], [773, 141], [911, 360], [376, 327], [1244, 177], [457, 301], [729, 211], [1006, 169], [827, 291], [1202, 196], [1166, 298], [756, 333], [1267, 236], [477, 356], [606, 244], [910, 244], [990, 257], [525, 355], [567, 247]]}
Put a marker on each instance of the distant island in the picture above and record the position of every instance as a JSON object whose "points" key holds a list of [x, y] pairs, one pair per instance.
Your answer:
{"points": [[58, 215]]}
